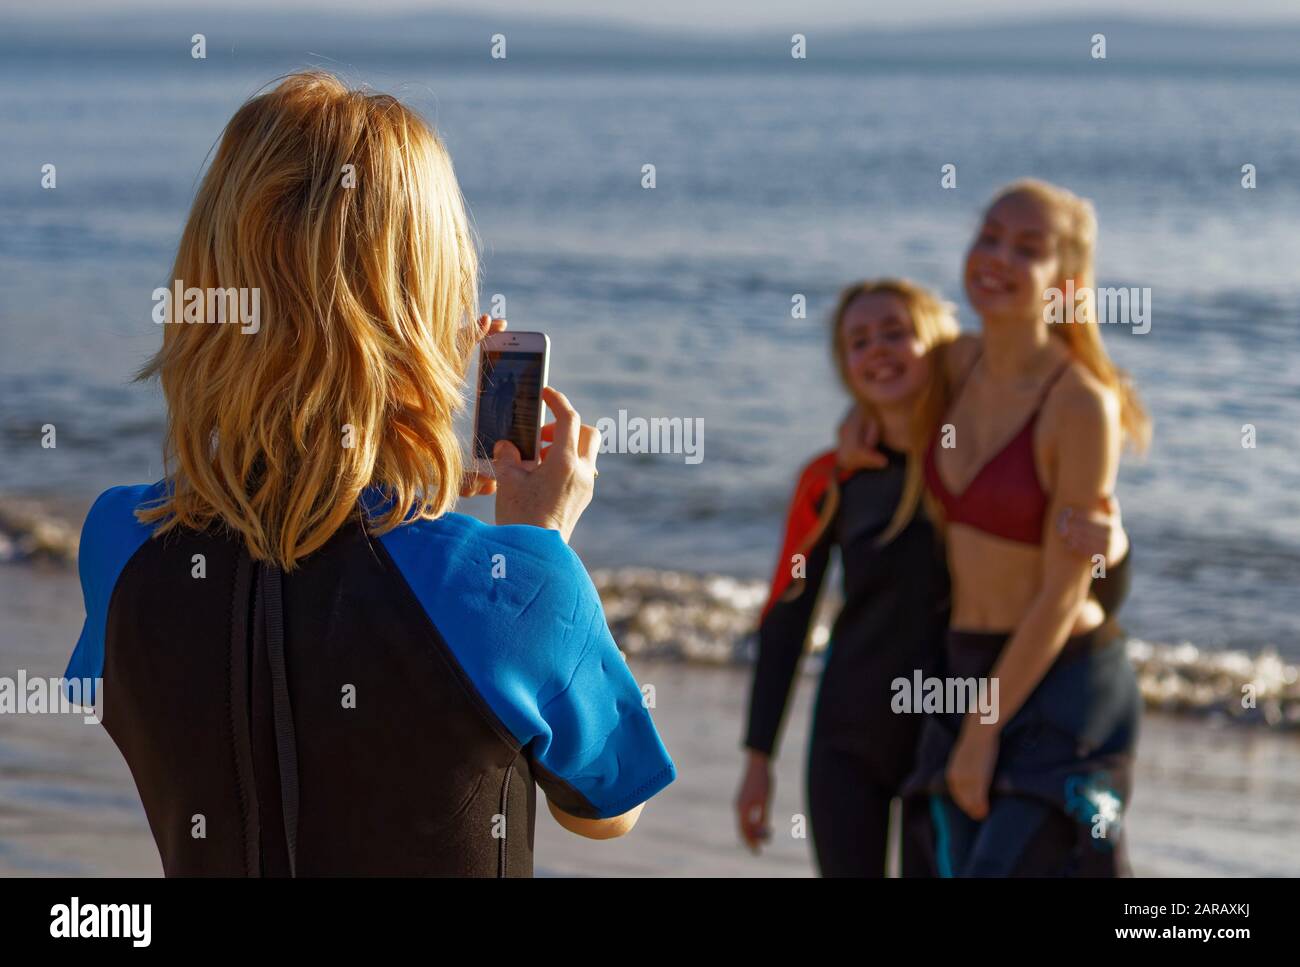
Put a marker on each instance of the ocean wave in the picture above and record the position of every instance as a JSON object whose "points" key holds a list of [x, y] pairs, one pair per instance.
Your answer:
{"points": [[30, 533], [710, 619]]}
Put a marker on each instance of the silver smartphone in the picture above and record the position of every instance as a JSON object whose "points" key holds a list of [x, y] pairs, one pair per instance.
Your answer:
{"points": [[512, 370]]}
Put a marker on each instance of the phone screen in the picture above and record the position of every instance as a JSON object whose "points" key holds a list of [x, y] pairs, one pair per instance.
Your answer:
{"points": [[509, 402]]}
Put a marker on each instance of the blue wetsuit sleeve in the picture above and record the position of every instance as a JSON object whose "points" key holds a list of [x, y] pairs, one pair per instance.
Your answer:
{"points": [[520, 615], [109, 538], [597, 754]]}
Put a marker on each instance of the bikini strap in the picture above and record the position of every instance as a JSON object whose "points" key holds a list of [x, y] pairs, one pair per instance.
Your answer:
{"points": [[1052, 381], [1042, 393]]}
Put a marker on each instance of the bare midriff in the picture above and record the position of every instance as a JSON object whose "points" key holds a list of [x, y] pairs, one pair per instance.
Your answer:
{"points": [[995, 581]]}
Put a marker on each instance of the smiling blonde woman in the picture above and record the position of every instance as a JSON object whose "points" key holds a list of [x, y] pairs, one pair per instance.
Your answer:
{"points": [[1035, 431]]}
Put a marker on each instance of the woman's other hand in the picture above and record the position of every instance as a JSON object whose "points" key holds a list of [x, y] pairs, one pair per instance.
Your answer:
{"points": [[970, 769], [1090, 534], [753, 800], [859, 439], [554, 491]]}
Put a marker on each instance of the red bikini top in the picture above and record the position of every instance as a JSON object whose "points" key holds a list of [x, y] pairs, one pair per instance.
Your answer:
{"points": [[1004, 498]]}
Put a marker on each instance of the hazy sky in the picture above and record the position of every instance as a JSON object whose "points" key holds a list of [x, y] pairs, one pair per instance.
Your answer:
{"points": [[749, 14]]}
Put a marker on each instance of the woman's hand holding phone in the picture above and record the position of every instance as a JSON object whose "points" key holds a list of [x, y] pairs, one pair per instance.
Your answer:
{"points": [[551, 493], [555, 491]]}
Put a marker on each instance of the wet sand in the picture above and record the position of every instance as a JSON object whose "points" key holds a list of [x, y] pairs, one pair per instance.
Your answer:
{"points": [[1211, 800]]}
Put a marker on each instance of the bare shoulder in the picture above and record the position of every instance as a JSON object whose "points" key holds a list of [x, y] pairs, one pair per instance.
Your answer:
{"points": [[1083, 417], [1082, 436], [1079, 396]]}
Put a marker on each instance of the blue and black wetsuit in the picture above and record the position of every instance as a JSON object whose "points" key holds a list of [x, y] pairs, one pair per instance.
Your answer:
{"points": [[891, 625], [1063, 781], [384, 708]]}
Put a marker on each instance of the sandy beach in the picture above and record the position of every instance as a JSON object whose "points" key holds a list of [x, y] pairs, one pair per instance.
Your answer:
{"points": [[1210, 800]]}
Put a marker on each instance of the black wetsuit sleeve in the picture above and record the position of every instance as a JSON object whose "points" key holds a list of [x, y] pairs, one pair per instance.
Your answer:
{"points": [[781, 637]]}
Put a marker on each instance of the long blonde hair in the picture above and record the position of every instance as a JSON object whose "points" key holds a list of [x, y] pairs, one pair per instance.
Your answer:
{"points": [[342, 208], [935, 324], [1076, 232]]}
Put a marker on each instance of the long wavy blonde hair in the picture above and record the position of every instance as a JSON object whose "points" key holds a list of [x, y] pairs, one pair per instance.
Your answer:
{"points": [[1076, 237], [342, 208]]}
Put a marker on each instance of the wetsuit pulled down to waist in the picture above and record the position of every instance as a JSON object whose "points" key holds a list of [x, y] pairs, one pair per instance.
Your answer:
{"points": [[1062, 781]]}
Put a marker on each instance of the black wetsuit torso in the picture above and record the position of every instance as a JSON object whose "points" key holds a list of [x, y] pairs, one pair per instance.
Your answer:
{"points": [[385, 708], [891, 625]]}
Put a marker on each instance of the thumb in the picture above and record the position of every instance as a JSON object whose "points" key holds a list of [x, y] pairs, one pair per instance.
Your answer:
{"points": [[505, 456]]}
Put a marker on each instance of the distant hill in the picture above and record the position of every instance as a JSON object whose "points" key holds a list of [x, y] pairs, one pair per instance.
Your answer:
{"points": [[452, 36]]}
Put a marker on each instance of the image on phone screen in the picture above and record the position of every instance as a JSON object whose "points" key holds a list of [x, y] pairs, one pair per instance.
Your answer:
{"points": [[510, 397]]}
